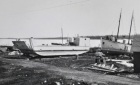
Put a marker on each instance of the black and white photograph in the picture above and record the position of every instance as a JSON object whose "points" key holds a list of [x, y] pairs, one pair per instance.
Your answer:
{"points": [[69, 42]]}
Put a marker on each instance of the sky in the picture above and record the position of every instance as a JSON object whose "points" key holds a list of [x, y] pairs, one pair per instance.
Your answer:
{"points": [[46, 18]]}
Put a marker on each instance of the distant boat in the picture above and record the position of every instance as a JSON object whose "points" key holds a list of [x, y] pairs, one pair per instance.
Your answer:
{"points": [[58, 44], [112, 47], [82, 46]]}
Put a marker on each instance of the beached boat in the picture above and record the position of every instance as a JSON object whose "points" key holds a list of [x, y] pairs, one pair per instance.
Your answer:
{"points": [[110, 44], [82, 46], [115, 48]]}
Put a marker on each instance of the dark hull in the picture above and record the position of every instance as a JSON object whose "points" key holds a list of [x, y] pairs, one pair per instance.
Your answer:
{"points": [[116, 52]]}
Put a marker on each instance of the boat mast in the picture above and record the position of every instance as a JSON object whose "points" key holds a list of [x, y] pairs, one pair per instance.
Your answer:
{"points": [[119, 25], [62, 34], [31, 42], [130, 27]]}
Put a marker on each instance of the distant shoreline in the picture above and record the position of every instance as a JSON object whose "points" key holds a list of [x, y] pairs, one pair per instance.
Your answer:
{"points": [[91, 37]]}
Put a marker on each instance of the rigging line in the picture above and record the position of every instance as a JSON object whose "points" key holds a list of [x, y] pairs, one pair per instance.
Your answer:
{"points": [[135, 31], [52, 7], [111, 23]]}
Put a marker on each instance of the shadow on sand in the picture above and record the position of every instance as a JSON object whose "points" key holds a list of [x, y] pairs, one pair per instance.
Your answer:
{"points": [[26, 57], [14, 57]]}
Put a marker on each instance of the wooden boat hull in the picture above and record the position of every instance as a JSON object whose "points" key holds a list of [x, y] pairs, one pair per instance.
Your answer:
{"points": [[56, 50], [116, 48], [59, 53]]}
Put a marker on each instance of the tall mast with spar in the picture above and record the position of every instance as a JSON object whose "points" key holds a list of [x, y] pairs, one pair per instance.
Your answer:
{"points": [[130, 28], [119, 25]]}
